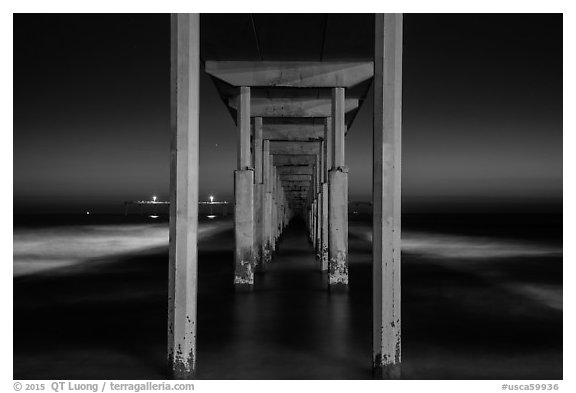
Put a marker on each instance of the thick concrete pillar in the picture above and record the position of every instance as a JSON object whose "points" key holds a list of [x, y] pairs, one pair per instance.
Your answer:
{"points": [[277, 206], [314, 207], [386, 194], [324, 251], [338, 228], [267, 203], [274, 210], [244, 227], [310, 215], [328, 163], [338, 199], [258, 152], [244, 197], [258, 195], [183, 252], [309, 221], [282, 208], [318, 196]]}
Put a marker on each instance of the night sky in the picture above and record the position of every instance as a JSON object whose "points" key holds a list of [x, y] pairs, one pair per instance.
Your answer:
{"points": [[482, 114]]}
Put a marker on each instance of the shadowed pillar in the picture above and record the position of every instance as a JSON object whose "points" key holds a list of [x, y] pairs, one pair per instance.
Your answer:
{"points": [[312, 209], [318, 195], [244, 198], [327, 149], [267, 205], [386, 194], [274, 217], [338, 198], [183, 252], [258, 194]]}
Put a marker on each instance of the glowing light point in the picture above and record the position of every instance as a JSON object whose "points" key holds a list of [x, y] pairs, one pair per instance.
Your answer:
{"points": [[211, 199], [88, 213], [154, 198]]}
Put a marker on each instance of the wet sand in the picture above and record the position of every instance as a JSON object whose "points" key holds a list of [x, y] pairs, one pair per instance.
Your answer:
{"points": [[107, 319]]}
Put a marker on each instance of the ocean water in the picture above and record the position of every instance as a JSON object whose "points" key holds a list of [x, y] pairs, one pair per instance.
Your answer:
{"points": [[481, 299], [75, 241]]}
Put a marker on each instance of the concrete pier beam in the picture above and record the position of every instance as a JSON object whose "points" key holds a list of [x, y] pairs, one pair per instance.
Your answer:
{"points": [[338, 197], [244, 198], [183, 252], [290, 73], [386, 354], [292, 107]]}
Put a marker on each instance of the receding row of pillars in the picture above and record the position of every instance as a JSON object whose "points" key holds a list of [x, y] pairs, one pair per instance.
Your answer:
{"points": [[262, 210]]}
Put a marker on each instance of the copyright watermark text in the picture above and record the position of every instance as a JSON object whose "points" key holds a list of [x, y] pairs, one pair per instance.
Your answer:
{"points": [[104, 386]]}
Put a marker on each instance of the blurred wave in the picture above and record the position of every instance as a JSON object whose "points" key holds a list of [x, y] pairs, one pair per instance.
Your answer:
{"points": [[463, 247], [38, 250], [484, 257]]}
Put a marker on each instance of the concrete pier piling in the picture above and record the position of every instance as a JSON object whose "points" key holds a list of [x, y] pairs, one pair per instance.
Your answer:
{"points": [[267, 203], [324, 252], [184, 174], [244, 227], [338, 197], [338, 229], [386, 356], [257, 156], [244, 198]]}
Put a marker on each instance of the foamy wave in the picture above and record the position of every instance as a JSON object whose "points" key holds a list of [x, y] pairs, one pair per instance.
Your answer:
{"points": [[463, 247], [37, 250], [469, 253]]}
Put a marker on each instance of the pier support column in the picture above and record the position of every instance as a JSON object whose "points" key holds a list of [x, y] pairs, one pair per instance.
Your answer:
{"points": [[313, 224], [318, 196], [267, 203], [328, 163], [244, 197], [258, 195], [278, 204], [310, 204], [244, 227], [338, 199], [324, 251], [274, 210], [338, 228], [183, 252], [386, 195], [282, 208]]}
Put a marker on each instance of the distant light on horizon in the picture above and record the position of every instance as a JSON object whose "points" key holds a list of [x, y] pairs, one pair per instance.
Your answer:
{"points": [[153, 216], [211, 216], [211, 199], [154, 198]]}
